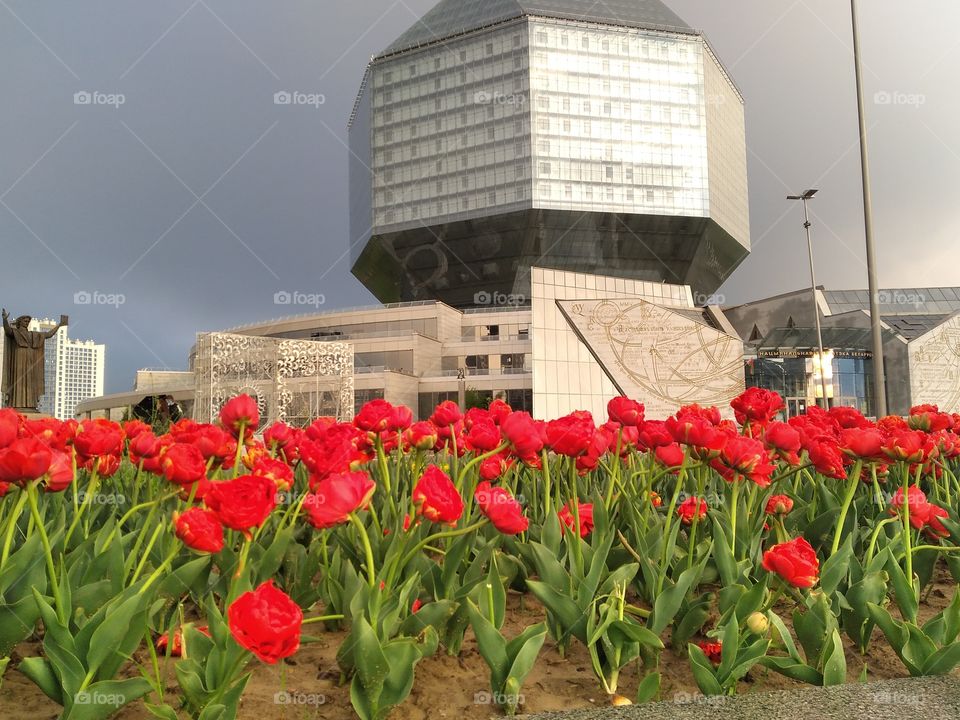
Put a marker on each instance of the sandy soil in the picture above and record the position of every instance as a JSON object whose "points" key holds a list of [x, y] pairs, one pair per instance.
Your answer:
{"points": [[448, 687]]}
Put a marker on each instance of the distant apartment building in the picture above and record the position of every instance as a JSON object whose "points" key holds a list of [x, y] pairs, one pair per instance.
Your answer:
{"points": [[73, 371]]}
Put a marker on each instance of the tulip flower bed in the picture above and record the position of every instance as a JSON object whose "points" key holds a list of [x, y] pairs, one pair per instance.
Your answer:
{"points": [[488, 555]]}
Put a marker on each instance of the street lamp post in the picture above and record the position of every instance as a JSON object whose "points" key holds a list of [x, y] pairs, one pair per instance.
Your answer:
{"points": [[879, 381], [813, 289]]}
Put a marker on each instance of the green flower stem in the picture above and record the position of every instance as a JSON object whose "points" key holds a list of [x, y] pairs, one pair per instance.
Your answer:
{"points": [[162, 568], [47, 550], [371, 570], [87, 500], [575, 511], [129, 513], [907, 535], [146, 553], [871, 550], [853, 480], [479, 459], [691, 546], [664, 557], [455, 458], [734, 502], [614, 476], [547, 499], [321, 618], [942, 548], [11, 526], [240, 438], [437, 536]]}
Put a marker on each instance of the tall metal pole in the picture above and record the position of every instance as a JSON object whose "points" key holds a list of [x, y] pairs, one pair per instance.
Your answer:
{"points": [[879, 383], [816, 306]]}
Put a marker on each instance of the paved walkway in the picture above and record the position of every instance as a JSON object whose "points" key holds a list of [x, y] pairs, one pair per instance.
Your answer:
{"points": [[930, 698]]}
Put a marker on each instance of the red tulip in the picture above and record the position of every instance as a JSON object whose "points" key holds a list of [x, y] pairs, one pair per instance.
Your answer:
{"points": [[757, 405], [60, 473], [483, 436], [571, 435], [336, 496], [625, 411], [400, 419], [653, 434], [848, 417], [690, 507], [240, 411], [911, 446], [794, 561], [24, 460], [862, 443], [929, 419], [827, 459], [277, 470], [585, 511], [744, 457], [183, 464], [524, 435], [501, 508], [176, 649], [97, 438], [784, 440], [421, 435], [779, 505], [266, 622], [697, 432], [132, 428], [499, 411], [199, 530], [446, 414], [436, 497], [670, 456], [713, 651], [242, 503], [374, 416], [9, 426]]}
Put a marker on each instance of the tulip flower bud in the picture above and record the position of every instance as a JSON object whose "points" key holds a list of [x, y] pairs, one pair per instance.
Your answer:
{"points": [[758, 623]]}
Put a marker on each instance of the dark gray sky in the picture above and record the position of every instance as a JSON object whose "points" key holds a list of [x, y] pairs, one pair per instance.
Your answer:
{"points": [[197, 199]]}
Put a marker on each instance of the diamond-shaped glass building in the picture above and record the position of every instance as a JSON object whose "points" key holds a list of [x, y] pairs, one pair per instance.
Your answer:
{"points": [[495, 136]]}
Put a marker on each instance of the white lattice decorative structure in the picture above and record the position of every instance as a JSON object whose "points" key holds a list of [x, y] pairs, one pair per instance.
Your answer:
{"points": [[292, 380]]}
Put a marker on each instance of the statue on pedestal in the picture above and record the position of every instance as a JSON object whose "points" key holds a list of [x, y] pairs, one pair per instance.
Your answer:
{"points": [[22, 382]]}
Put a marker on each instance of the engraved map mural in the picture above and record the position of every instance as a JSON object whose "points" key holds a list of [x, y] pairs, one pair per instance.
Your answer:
{"points": [[935, 367], [661, 356]]}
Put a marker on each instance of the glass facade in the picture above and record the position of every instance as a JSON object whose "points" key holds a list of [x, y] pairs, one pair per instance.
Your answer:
{"points": [[618, 120], [451, 130], [613, 148], [849, 384]]}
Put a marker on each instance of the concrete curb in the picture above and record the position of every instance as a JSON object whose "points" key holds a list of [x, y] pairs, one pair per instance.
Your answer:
{"points": [[929, 698]]}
